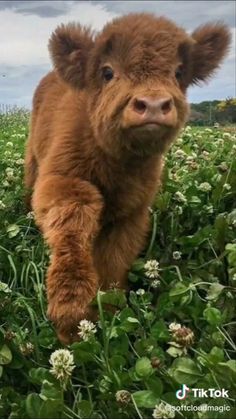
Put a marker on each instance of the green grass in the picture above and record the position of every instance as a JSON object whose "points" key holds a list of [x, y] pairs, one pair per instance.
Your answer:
{"points": [[134, 361]]}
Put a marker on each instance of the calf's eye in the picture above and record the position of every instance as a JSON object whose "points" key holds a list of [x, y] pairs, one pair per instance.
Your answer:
{"points": [[179, 73], [107, 73]]}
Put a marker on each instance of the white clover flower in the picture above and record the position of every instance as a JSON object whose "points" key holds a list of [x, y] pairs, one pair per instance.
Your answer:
{"points": [[173, 327], [152, 268], [208, 208], [155, 283], [27, 348], [208, 130], [234, 147], [177, 255], [9, 173], [20, 162], [188, 128], [5, 183], [179, 153], [189, 160], [234, 277], [140, 291], [5, 288], [223, 166], [62, 362], [9, 144], [7, 153], [205, 187], [180, 197], [2, 205], [227, 186], [86, 329], [123, 396], [226, 135], [205, 155], [163, 411], [30, 215], [17, 155], [179, 140]]}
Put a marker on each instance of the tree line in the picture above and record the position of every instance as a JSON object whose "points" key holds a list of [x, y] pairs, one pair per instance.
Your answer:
{"points": [[215, 111]]}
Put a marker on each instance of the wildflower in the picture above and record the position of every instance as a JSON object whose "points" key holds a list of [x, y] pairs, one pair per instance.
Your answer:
{"points": [[180, 197], [30, 215], [9, 335], [194, 165], [180, 153], [152, 268], [179, 140], [4, 288], [227, 186], [177, 255], [223, 166], [208, 130], [184, 336], [188, 128], [20, 162], [155, 362], [226, 135], [205, 187], [62, 362], [156, 283], [187, 135], [9, 173], [5, 183], [205, 155], [2, 205], [9, 144], [208, 209], [123, 396], [27, 348], [140, 291], [163, 411], [174, 326], [86, 329], [234, 277]]}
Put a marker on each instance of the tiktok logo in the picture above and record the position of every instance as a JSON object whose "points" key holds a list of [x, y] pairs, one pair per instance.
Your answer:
{"points": [[182, 393]]}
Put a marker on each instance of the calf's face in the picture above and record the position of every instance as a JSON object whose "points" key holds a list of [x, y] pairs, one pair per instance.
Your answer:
{"points": [[136, 73]]}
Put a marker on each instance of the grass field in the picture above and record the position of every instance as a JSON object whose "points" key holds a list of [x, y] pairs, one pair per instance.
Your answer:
{"points": [[177, 325]]}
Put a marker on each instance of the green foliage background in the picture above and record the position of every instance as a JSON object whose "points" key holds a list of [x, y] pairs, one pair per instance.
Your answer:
{"points": [[195, 215]]}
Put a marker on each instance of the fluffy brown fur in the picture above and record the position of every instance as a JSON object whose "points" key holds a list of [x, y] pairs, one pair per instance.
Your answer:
{"points": [[92, 164]]}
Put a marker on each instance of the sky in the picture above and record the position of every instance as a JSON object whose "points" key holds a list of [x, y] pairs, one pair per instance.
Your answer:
{"points": [[25, 27]]}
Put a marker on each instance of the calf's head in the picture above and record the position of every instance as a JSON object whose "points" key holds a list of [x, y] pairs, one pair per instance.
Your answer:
{"points": [[135, 74]]}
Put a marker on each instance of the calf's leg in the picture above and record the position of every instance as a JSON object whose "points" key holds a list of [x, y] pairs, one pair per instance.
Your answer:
{"points": [[117, 246], [68, 211]]}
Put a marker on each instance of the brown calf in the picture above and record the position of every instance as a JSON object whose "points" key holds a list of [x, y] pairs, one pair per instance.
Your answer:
{"points": [[101, 123]]}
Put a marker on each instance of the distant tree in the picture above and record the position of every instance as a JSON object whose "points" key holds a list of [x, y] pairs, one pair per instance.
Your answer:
{"points": [[226, 110]]}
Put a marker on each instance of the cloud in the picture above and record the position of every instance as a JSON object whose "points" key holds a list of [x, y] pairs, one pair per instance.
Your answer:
{"points": [[25, 27], [40, 8]]}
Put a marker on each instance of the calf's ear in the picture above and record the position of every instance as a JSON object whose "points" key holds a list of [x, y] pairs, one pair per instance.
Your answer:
{"points": [[69, 48], [210, 47]]}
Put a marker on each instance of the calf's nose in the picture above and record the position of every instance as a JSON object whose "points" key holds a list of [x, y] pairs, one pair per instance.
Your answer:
{"points": [[152, 110]]}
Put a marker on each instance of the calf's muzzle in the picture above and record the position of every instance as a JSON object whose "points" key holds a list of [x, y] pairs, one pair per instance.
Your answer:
{"points": [[148, 110]]}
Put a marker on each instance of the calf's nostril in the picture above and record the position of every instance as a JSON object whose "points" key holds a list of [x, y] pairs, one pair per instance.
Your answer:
{"points": [[166, 106], [139, 106]]}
